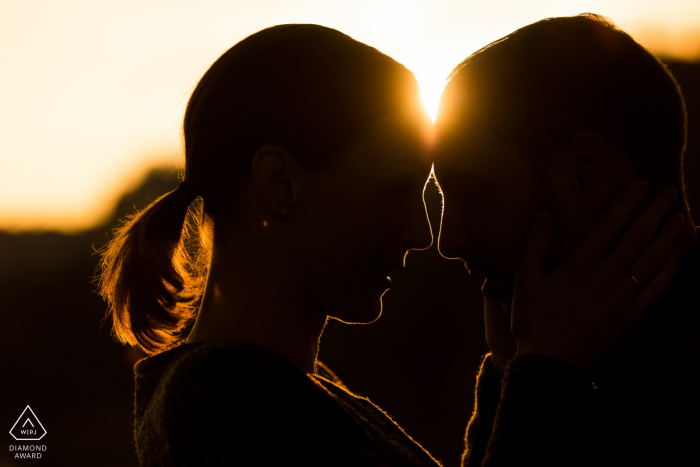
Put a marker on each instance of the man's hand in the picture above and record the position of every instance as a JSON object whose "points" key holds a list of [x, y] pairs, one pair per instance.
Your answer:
{"points": [[582, 309]]}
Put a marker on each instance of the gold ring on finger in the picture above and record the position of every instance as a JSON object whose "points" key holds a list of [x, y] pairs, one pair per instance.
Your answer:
{"points": [[634, 278]]}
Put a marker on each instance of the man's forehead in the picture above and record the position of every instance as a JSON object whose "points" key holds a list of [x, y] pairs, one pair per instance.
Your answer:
{"points": [[474, 156], [463, 146], [459, 173]]}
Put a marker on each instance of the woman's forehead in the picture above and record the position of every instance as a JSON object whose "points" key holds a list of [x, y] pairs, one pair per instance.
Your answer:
{"points": [[395, 142]]}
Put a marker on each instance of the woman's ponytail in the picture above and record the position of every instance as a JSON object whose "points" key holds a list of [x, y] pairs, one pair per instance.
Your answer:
{"points": [[149, 275]]}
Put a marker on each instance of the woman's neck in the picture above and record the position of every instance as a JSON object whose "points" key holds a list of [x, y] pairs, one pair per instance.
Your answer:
{"points": [[246, 301]]}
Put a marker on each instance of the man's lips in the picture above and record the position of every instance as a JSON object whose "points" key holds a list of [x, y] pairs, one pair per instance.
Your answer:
{"points": [[477, 273], [477, 270], [496, 287]]}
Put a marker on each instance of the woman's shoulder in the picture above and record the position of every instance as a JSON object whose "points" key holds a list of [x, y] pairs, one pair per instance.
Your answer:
{"points": [[199, 398], [238, 384], [207, 356], [213, 370]]}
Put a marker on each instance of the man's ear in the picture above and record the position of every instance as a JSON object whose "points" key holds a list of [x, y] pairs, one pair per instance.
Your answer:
{"points": [[273, 169], [589, 169]]}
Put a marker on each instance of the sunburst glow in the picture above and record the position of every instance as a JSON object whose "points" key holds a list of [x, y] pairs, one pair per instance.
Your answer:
{"points": [[92, 94]]}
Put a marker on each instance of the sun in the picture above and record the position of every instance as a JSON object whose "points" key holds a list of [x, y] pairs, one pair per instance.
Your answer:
{"points": [[431, 98], [431, 72]]}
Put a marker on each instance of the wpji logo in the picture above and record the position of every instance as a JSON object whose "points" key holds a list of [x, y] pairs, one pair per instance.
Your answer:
{"points": [[28, 427]]}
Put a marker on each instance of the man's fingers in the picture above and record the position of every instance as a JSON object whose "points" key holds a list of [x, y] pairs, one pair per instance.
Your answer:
{"points": [[655, 286], [611, 223], [495, 317], [531, 270], [654, 255], [641, 232]]}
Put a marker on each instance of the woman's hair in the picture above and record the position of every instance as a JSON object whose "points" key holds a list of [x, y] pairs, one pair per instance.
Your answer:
{"points": [[304, 87]]}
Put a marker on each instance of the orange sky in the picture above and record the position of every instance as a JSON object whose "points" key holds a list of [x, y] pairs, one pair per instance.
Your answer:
{"points": [[92, 93]]}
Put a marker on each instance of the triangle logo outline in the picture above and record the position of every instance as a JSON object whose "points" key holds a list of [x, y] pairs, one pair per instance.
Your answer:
{"points": [[21, 417]]}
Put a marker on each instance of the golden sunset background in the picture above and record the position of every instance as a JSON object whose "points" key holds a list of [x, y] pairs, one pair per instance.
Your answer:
{"points": [[92, 93], [92, 96]]}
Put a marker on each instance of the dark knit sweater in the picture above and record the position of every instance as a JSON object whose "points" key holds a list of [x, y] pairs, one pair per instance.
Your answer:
{"points": [[637, 405], [241, 404]]}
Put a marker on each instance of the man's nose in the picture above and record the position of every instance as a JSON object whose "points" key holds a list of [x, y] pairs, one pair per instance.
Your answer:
{"points": [[451, 238]]}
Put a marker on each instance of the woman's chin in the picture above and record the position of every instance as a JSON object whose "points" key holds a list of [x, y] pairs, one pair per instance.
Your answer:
{"points": [[362, 313]]}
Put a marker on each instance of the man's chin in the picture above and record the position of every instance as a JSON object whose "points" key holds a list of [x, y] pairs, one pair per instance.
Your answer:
{"points": [[497, 288]]}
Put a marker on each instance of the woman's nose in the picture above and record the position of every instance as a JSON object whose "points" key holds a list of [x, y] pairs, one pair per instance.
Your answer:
{"points": [[417, 233]]}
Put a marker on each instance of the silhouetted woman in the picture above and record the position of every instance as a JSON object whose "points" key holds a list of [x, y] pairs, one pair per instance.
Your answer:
{"points": [[306, 154]]}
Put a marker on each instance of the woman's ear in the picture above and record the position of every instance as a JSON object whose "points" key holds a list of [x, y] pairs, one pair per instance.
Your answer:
{"points": [[273, 169], [587, 167]]}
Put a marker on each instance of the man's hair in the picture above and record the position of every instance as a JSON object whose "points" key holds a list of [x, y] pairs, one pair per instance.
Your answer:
{"points": [[540, 84]]}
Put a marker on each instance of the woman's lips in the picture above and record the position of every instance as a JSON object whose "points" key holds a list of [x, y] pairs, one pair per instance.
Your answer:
{"points": [[382, 271]]}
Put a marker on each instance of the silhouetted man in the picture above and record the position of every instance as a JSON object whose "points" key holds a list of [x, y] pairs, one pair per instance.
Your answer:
{"points": [[563, 115]]}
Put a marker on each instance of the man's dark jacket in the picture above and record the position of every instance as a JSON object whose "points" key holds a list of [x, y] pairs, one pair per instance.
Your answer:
{"points": [[637, 405]]}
